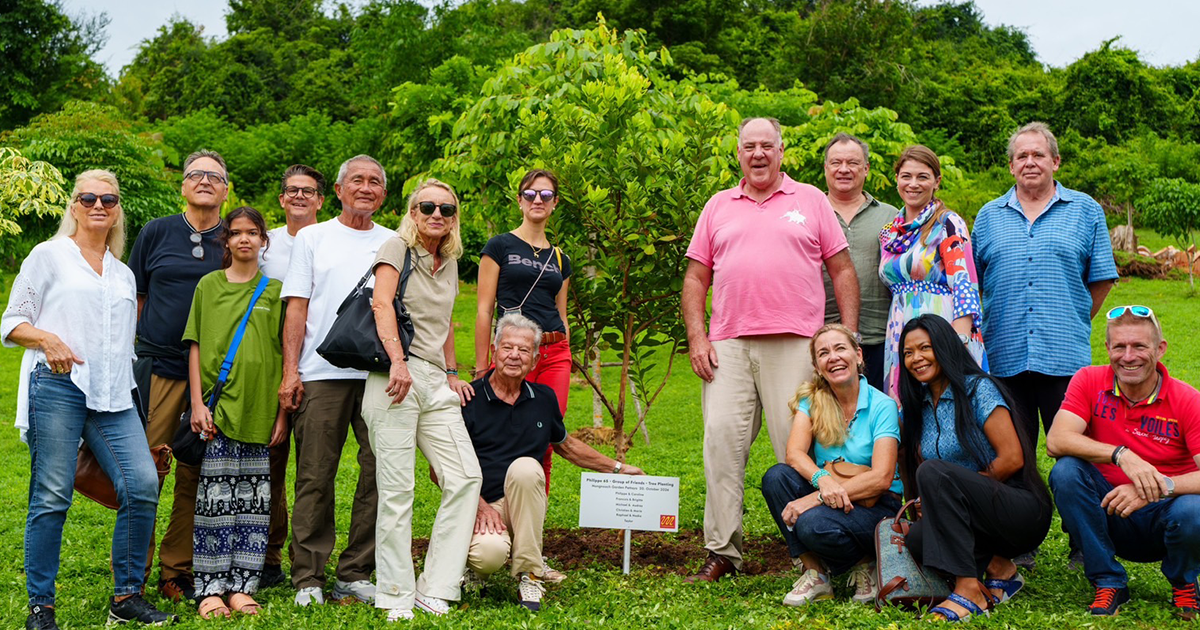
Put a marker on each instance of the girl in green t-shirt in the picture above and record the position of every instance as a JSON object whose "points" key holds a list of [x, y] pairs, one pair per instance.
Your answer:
{"points": [[233, 498]]}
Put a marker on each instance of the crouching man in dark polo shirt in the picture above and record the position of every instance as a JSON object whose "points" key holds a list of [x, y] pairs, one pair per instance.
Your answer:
{"points": [[511, 422]]}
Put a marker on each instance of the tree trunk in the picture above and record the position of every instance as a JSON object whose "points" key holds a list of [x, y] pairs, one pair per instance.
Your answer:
{"points": [[641, 411], [597, 404]]}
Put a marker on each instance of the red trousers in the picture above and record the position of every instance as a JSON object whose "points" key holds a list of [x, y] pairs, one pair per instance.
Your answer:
{"points": [[554, 370]]}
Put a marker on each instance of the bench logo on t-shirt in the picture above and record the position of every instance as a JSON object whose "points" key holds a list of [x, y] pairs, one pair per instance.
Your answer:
{"points": [[517, 259]]}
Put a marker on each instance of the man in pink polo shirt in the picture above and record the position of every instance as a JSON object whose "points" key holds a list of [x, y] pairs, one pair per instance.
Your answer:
{"points": [[1127, 480], [760, 246]]}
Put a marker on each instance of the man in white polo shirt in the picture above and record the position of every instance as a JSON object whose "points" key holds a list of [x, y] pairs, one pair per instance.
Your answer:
{"points": [[327, 261], [760, 246]]}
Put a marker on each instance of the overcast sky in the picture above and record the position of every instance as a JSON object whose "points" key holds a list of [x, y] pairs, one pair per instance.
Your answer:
{"points": [[1164, 32]]}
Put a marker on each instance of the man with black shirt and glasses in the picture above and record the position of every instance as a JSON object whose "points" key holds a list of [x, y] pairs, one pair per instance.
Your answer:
{"points": [[170, 256]]}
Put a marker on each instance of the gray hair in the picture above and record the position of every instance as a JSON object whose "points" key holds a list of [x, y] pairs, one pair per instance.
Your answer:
{"points": [[519, 322], [1033, 127], [205, 153], [774, 123], [845, 137], [362, 157]]}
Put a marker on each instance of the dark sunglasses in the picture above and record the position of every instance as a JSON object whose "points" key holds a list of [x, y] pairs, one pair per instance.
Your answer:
{"points": [[197, 176], [427, 208], [88, 200], [530, 195], [197, 248]]}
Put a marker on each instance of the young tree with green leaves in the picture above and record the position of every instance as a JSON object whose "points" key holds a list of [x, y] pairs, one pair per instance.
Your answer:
{"points": [[1171, 207], [636, 154], [28, 187]]}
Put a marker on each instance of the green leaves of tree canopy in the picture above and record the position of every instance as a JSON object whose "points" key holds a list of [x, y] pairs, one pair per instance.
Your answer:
{"points": [[637, 156], [1171, 207], [28, 187], [84, 136], [45, 59]]}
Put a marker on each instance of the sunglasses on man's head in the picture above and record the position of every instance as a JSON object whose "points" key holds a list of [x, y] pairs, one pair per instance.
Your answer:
{"points": [[427, 208], [88, 200], [1135, 309], [530, 195]]}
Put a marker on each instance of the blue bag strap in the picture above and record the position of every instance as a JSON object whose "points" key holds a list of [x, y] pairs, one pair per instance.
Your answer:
{"points": [[227, 364]]}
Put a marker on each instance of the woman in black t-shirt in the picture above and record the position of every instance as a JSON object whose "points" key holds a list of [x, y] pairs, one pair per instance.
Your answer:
{"points": [[522, 271]]}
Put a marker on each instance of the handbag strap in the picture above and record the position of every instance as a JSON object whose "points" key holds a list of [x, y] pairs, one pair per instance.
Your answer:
{"points": [[227, 364], [404, 274]]}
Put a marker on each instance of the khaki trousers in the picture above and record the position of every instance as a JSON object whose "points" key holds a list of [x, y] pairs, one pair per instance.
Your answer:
{"points": [[327, 412], [523, 508], [429, 418], [168, 400], [756, 375]]}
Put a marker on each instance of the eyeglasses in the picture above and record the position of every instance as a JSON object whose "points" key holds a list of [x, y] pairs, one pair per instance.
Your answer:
{"points": [[88, 200], [530, 195], [427, 208], [198, 176], [837, 164], [197, 248], [306, 192], [1134, 309]]}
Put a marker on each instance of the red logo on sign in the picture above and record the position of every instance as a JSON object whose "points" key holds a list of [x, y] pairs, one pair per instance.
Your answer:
{"points": [[666, 521]]}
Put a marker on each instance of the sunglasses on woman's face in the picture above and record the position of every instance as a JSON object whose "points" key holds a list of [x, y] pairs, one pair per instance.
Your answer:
{"points": [[88, 200], [427, 208], [530, 195]]}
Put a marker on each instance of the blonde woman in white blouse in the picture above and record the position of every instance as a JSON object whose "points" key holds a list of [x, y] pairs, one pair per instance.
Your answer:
{"points": [[74, 308]]}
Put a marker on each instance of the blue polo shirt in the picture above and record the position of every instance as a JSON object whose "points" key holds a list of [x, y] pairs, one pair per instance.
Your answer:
{"points": [[1034, 277], [939, 439], [875, 418]]}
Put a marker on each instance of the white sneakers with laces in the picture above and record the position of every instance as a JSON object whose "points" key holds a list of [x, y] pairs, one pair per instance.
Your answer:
{"points": [[310, 595], [399, 614], [432, 605], [531, 589], [866, 587], [362, 590], [810, 587]]}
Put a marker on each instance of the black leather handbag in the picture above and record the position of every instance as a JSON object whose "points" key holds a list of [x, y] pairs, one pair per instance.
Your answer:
{"points": [[353, 341]]}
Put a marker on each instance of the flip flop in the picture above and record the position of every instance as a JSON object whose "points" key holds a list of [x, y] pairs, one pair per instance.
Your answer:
{"points": [[1011, 586], [244, 604], [212, 607], [953, 617]]}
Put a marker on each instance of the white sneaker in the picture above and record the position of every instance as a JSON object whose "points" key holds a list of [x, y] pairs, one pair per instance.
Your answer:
{"points": [[551, 575], [433, 605], [399, 614], [362, 590], [811, 587], [310, 595], [862, 577], [531, 590]]}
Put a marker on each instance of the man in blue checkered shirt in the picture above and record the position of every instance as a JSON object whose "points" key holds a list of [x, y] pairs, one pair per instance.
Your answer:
{"points": [[1045, 265]]}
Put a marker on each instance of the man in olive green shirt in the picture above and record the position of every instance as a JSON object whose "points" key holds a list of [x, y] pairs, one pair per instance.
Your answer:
{"points": [[847, 161]]}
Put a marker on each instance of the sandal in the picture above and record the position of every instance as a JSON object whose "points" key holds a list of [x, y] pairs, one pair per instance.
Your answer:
{"points": [[953, 617], [244, 604], [1011, 586], [212, 607]]}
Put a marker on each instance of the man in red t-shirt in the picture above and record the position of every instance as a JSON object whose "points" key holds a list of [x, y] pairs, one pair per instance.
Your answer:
{"points": [[1127, 480]]}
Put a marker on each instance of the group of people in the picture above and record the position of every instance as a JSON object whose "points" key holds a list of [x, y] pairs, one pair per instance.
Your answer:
{"points": [[227, 317], [215, 323], [923, 375]]}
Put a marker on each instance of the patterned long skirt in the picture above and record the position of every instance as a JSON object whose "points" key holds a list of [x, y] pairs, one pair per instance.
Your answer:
{"points": [[233, 514]]}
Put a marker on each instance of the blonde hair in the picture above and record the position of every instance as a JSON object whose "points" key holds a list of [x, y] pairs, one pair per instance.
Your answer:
{"points": [[824, 410], [451, 246], [116, 234], [922, 154]]}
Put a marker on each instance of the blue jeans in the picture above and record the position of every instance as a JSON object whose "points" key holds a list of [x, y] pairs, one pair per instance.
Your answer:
{"points": [[838, 538], [58, 418], [1168, 530]]}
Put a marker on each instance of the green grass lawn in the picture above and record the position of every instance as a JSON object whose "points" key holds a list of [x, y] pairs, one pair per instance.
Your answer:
{"points": [[597, 595]]}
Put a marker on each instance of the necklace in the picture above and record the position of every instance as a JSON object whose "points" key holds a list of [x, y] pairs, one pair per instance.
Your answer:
{"points": [[537, 251], [1132, 402], [99, 255]]}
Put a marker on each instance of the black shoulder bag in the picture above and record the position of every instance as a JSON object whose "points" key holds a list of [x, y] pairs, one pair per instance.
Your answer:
{"points": [[353, 341]]}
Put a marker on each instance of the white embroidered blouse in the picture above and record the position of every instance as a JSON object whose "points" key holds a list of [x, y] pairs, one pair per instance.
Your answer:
{"points": [[94, 314]]}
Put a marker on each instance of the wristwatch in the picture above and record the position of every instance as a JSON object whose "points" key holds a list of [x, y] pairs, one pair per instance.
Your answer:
{"points": [[1170, 486], [617, 468]]}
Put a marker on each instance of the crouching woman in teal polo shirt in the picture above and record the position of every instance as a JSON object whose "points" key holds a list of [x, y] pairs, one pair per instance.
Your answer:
{"points": [[827, 504]]}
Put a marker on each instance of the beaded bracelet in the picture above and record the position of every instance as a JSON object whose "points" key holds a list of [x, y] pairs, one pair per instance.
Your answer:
{"points": [[821, 472]]}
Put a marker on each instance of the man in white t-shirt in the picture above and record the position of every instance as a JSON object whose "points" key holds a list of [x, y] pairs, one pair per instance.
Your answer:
{"points": [[327, 261], [301, 195]]}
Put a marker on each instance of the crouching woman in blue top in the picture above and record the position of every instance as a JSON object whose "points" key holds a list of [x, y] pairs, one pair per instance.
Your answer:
{"points": [[982, 500], [844, 424]]}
